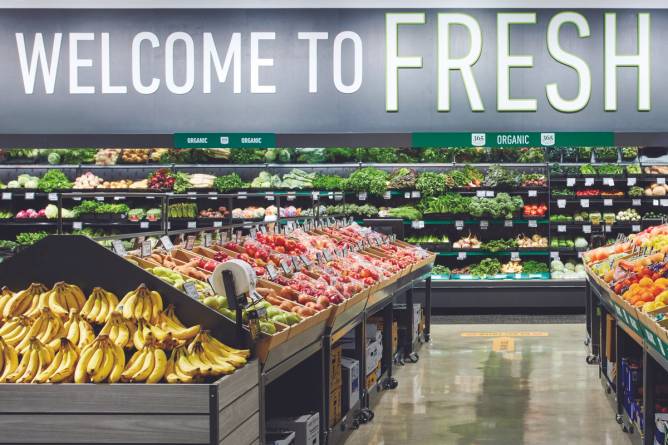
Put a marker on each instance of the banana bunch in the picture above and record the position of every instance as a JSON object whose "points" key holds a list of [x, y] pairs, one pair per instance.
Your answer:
{"points": [[205, 357], [170, 324], [21, 302], [218, 351], [15, 330], [119, 329], [46, 327], [63, 365], [63, 297], [99, 305], [9, 360], [78, 330], [101, 361], [36, 359], [179, 369], [147, 364], [141, 304]]}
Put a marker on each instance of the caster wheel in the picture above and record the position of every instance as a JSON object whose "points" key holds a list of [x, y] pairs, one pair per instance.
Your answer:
{"points": [[608, 390], [355, 425], [413, 357], [427, 338], [587, 342], [591, 360], [618, 419], [390, 383]]}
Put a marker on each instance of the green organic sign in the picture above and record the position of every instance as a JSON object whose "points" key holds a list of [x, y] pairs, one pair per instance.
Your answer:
{"points": [[512, 139], [222, 140]]}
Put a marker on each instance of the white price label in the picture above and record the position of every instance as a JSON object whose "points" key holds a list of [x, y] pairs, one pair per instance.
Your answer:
{"points": [[478, 139], [561, 203], [489, 193], [655, 202], [417, 224], [547, 139], [53, 197], [148, 197], [192, 224], [407, 195], [119, 198], [190, 242], [636, 202], [459, 224], [99, 198], [118, 247], [166, 243], [589, 181], [461, 256], [584, 203], [330, 195], [631, 181], [609, 182], [143, 225], [269, 196], [146, 248], [580, 254], [533, 193], [664, 202], [570, 182], [77, 198], [635, 228], [586, 228], [484, 224], [661, 181], [514, 256], [291, 196], [207, 239], [608, 228], [241, 195], [218, 224], [480, 193], [30, 195], [362, 196], [607, 202], [6, 196], [561, 228], [77, 225], [315, 195], [213, 196], [415, 194], [338, 196], [554, 255], [387, 195], [533, 223], [508, 223], [191, 290]]}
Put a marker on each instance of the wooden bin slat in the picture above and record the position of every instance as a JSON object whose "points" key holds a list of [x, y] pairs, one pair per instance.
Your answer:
{"points": [[105, 428], [246, 434], [235, 385], [104, 398], [236, 413]]}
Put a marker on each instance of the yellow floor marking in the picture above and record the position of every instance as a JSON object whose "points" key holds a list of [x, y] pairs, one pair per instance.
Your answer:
{"points": [[503, 344], [506, 334]]}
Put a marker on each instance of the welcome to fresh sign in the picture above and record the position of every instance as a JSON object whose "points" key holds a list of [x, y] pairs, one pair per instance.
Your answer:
{"points": [[332, 70]]}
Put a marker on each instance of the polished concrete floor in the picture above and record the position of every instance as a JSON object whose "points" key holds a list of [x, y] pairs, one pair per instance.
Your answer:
{"points": [[523, 384]]}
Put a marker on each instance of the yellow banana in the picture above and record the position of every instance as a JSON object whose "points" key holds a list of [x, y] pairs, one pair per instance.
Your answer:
{"points": [[67, 365], [86, 334], [156, 306], [186, 334], [139, 308], [31, 368], [88, 305], [182, 363], [147, 366], [138, 336], [96, 359], [95, 309], [159, 365], [80, 375], [119, 364], [10, 360], [43, 376], [78, 295], [57, 301], [134, 365], [106, 365]]}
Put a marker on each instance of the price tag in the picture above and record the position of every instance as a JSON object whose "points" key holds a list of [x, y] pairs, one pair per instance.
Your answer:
{"points": [[148, 197], [166, 243], [330, 195], [146, 248], [77, 198], [119, 198], [143, 225], [664, 202], [415, 194], [580, 254], [315, 195], [286, 267], [192, 224], [213, 196], [655, 202], [387, 195], [76, 225], [319, 258], [554, 255], [305, 260], [327, 254], [223, 237], [609, 182], [607, 202], [484, 224], [631, 181], [417, 224], [338, 196], [362, 196], [636, 202], [360, 245], [461, 256], [635, 228], [508, 223], [191, 290], [190, 242], [514, 256], [589, 181], [291, 196], [561, 203], [99, 198], [6, 196], [608, 228], [407, 195], [30, 196], [241, 195], [586, 228], [118, 247], [489, 193], [459, 224], [570, 182], [296, 262], [584, 203], [480, 193], [207, 239], [253, 233], [561, 228], [533, 223], [271, 270], [269, 196], [53, 196], [661, 181], [533, 193]]}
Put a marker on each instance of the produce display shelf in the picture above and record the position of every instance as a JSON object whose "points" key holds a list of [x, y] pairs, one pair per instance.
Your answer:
{"points": [[499, 253], [476, 221], [339, 433]]}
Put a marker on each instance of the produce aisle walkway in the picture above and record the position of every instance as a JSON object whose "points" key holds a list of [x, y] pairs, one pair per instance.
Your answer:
{"points": [[529, 386]]}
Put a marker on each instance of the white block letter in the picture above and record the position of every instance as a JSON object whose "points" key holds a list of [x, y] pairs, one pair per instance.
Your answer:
{"points": [[136, 63], [257, 62], [358, 72], [38, 57], [505, 61], [233, 55], [107, 87], [312, 38], [76, 63], [169, 62], [392, 60]]}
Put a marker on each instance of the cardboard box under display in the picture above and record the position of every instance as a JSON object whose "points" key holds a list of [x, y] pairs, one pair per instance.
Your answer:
{"points": [[224, 412]]}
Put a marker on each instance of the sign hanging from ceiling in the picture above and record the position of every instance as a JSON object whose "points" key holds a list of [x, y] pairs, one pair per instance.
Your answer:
{"points": [[314, 71]]}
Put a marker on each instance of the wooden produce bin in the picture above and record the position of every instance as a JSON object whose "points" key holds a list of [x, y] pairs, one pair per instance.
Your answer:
{"points": [[222, 412]]}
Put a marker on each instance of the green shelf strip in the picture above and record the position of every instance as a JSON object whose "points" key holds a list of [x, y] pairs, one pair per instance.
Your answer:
{"points": [[486, 253], [477, 221]]}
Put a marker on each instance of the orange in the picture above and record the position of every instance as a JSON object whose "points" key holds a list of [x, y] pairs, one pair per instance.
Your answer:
{"points": [[646, 281]]}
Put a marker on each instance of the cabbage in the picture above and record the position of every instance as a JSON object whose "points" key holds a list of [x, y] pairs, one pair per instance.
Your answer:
{"points": [[22, 179], [557, 265], [31, 183], [580, 268], [13, 185], [580, 243], [51, 211], [570, 266]]}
